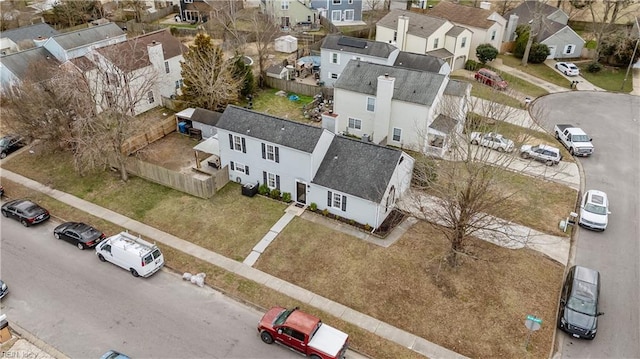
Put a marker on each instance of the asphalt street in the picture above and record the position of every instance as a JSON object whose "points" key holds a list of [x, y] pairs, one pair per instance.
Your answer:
{"points": [[613, 121], [83, 307]]}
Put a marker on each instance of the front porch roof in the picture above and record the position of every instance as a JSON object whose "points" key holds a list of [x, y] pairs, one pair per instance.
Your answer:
{"points": [[441, 54], [443, 124]]}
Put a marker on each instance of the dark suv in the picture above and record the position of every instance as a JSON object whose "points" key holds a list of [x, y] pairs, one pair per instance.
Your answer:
{"points": [[10, 144], [578, 314]]}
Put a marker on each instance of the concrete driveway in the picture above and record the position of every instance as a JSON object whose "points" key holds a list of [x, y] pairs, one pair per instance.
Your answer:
{"points": [[583, 85]]}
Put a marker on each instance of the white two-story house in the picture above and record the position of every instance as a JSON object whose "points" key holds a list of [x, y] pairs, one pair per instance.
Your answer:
{"points": [[398, 106], [486, 25], [347, 177], [422, 34]]}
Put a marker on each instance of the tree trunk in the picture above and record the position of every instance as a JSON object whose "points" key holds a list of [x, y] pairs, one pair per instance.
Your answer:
{"points": [[527, 49], [122, 161]]}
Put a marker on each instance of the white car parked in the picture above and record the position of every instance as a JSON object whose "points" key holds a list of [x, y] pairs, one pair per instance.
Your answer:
{"points": [[492, 140], [568, 68], [549, 155], [594, 210]]}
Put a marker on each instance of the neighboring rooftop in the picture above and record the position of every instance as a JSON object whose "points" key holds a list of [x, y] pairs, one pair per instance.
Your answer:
{"points": [[444, 124], [462, 14], [421, 62], [358, 46], [419, 25], [90, 35], [23, 63], [205, 116], [347, 168], [527, 9], [29, 32], [412, 86], [270, 128]]}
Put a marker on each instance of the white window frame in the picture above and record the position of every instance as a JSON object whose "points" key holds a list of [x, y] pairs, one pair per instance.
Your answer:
{"points": [[571, 47], [493, 35], [188, 1], [150, 97], [237, 143], [337, 2], [179, 83], [349, 12], [350, 2], [270, 152], [463, 42], [166, 67], [371, 104], [336, 201], [240, 167], [334, 76], [335, 58], [334, 13], [284, 5], [271, 178], [435, 42], [355, 123], [393, 135], [395, 36]]}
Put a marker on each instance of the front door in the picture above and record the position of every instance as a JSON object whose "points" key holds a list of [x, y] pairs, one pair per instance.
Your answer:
{"points": [[301, 192]]}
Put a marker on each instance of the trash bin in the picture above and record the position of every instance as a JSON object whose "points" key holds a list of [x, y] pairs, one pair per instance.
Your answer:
{"points": [[182, 127], [250, 189]]}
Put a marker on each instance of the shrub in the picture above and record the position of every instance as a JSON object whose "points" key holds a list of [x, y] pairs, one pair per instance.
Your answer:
{"points": [[367, 227], [325, 212], [313, 206], [538, 53], [594, 67], [486, 53], [264, 189], [472, 65], [352, 222], [286, 197], [275, 193]]}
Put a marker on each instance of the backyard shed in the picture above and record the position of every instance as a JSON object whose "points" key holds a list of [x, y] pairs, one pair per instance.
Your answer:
{"points": [[205, 121], [286, 43], [183, 119]]}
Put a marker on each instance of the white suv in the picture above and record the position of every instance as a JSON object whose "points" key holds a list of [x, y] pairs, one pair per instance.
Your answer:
{"points": [[594, 210], [544, 153]]}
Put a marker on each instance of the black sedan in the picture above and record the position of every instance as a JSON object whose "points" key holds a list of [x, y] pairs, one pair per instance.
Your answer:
{"points": [[9, 144], [25, 211], [3, 289], [79, 234]]}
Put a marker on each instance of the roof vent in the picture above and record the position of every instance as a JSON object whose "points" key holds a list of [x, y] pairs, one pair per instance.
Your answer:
{"points": [[335, 157], [282, 128]]}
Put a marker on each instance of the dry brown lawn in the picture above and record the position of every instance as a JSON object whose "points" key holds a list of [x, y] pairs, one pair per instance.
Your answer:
{"points": [[477, 310]]}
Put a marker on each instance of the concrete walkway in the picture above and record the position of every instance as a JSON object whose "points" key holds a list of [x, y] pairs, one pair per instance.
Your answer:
{"points": [[349, 315], [636, 82]]}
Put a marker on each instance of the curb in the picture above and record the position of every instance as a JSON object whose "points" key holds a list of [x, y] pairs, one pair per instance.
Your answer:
{"points": [[25, 334]]}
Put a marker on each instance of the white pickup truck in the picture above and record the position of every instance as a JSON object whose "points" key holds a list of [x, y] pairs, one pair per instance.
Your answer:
{"points": [[574, 139]]}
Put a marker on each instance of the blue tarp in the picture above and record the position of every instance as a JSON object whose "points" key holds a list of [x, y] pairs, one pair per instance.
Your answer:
{"points": [[314, 59]]}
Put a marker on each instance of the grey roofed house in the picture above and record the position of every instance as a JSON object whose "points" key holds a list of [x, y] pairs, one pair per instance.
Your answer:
{"points": [[413, 86], [527, 9], [29, 32], [421, 62], [78, 38], [419, 24], [270, 128], [20, 63], [444, 124], [358, 46], [348, 167], [463, 14], [205, 116]]}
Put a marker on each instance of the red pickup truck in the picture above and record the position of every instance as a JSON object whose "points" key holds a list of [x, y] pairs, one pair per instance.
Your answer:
{"points": [[303, 332]]}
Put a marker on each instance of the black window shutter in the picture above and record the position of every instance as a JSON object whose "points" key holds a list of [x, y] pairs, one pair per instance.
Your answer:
{"points": [[277, 155], [278, 182], [329, 198], [231, 141], [344, 203], [264, 177], [246, 170], [244, 146], [264, 151], [232, 166]]}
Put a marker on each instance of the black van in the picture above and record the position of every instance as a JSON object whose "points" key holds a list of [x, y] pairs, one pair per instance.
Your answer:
{"points": [[578, 313]]}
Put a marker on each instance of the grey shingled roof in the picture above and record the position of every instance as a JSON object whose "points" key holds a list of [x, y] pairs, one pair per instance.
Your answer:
{"points": [[527, 9], [444, 124], [205, 116], [372, 48], [456, 88], [21, 62], [74, 39], [419, 25], [348, 167], [440, 53], [456, 30], [463, 14], [269, 128], [421, 62], [412, 86], [29, 32]]}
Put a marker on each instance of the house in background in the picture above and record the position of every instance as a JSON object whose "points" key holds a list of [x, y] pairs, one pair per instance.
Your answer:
{"points": [[562, 41], [289, 13], [24, 37], [422, 34], [203, 10], [205, 121], [70, 45], [486, 25], [347, 177], [336, 51], [36, 64], [398, 106], [340, 12]]}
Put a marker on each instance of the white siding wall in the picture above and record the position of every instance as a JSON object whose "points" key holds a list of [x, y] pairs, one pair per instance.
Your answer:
{"points": [[328, 68], [400, 181], [354, 105], [561, 40], [412, 119], [358, 209], [417, 44]]}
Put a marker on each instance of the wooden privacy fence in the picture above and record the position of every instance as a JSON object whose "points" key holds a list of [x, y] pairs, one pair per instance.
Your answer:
{"points": [[150, 135], [293, 86], [203, 186]]}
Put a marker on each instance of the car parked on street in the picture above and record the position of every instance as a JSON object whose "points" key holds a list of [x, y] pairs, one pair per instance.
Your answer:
{"points": [[491, 78], [112, 354], [492, 140], [25, 211], [1, 191], [549, 155], [578, 313], [3, 289], [594, 210], [568, 68], [79, 234], [10, 143]]}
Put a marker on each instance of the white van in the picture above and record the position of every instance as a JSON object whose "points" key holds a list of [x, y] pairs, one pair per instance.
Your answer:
{"points": [[134, 254]]}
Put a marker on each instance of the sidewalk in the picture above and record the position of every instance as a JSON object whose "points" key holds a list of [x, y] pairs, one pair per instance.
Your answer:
{"points": [[349, 315], [636, 82]]}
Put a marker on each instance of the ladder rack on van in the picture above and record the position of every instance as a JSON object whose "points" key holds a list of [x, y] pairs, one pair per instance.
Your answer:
{"points": [[129, 242]]}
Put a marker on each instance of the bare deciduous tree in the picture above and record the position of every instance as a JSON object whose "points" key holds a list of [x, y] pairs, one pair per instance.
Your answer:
{"points": [[265, 32], [604, 15], [464, 195]]}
